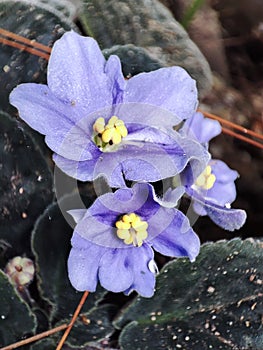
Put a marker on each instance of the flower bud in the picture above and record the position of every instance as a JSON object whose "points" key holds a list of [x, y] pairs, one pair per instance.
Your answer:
{"points": [[20, 271]]}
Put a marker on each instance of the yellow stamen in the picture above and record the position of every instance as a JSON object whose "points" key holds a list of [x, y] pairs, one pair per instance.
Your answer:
{"points": [[123, 234], [112, 133], [113, 120], [132, 229], [107, 134], [123, 225], [121, 128], [116, 137], [206, 179], [99, 125], [125, 218]]}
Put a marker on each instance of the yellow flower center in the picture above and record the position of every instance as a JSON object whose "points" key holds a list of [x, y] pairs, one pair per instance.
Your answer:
{"points": [[206, 179], [132, 229], [109, 134]]}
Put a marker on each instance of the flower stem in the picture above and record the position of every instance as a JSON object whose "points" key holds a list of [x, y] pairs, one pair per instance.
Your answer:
{"points": [[227, 130], [24, 44], [35, 337], [76, 313]]}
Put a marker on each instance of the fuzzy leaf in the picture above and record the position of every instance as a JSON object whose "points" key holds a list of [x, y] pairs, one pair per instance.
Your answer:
{"points": [[148, 25], [214, 303], [26, 184], [34, 21], [134, 60], [16, 319], [92, 326], [65, 10], [45, 344]]}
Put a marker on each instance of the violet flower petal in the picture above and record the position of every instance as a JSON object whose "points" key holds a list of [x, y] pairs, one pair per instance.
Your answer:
{"points": [[83, 263], [199, 208], [140, 161], [222, 171], [201, 128], [178, 239], [222, 194], [139, 115], [98, 224], [96, 244], [124, 200], [171, 197], [39, 107], [116, 269], [78, 73], [223, 191], [82, 86], [171, 88], [229, 219], [77, 214], [143, 278]]}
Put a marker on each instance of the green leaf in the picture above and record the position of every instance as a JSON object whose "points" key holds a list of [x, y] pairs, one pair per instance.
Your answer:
{"points": [[149, 26], [51, 246], [214, 303], [89, 329], [45, 344], [26, 184], [34, 21], [134, 59], [16, 319], [65, 10], [92, 326]]}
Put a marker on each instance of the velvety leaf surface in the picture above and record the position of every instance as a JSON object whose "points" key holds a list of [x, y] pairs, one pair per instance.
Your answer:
{"points": [[88, 331], [36, 22], [149, 25], [16, 319], [66, 10], [26, 184], [45, 344], [134, 60], [92, 326], [51, 245], [214, 303]]}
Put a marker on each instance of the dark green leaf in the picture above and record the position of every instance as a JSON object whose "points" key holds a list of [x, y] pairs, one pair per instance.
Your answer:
{"points": [[134, 59], [214, 303], [92, 326], [34, 22], [147, 25], [26, 184], [45, 344], [16, 319]]}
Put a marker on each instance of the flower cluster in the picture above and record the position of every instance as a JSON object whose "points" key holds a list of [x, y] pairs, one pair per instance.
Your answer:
{"points": [[143, 130], [213, 191]]}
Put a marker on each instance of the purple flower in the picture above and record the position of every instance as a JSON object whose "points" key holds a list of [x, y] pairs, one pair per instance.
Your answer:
{"points": [[201, 128], [214, 189], [96, 122], [113, 240]]}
